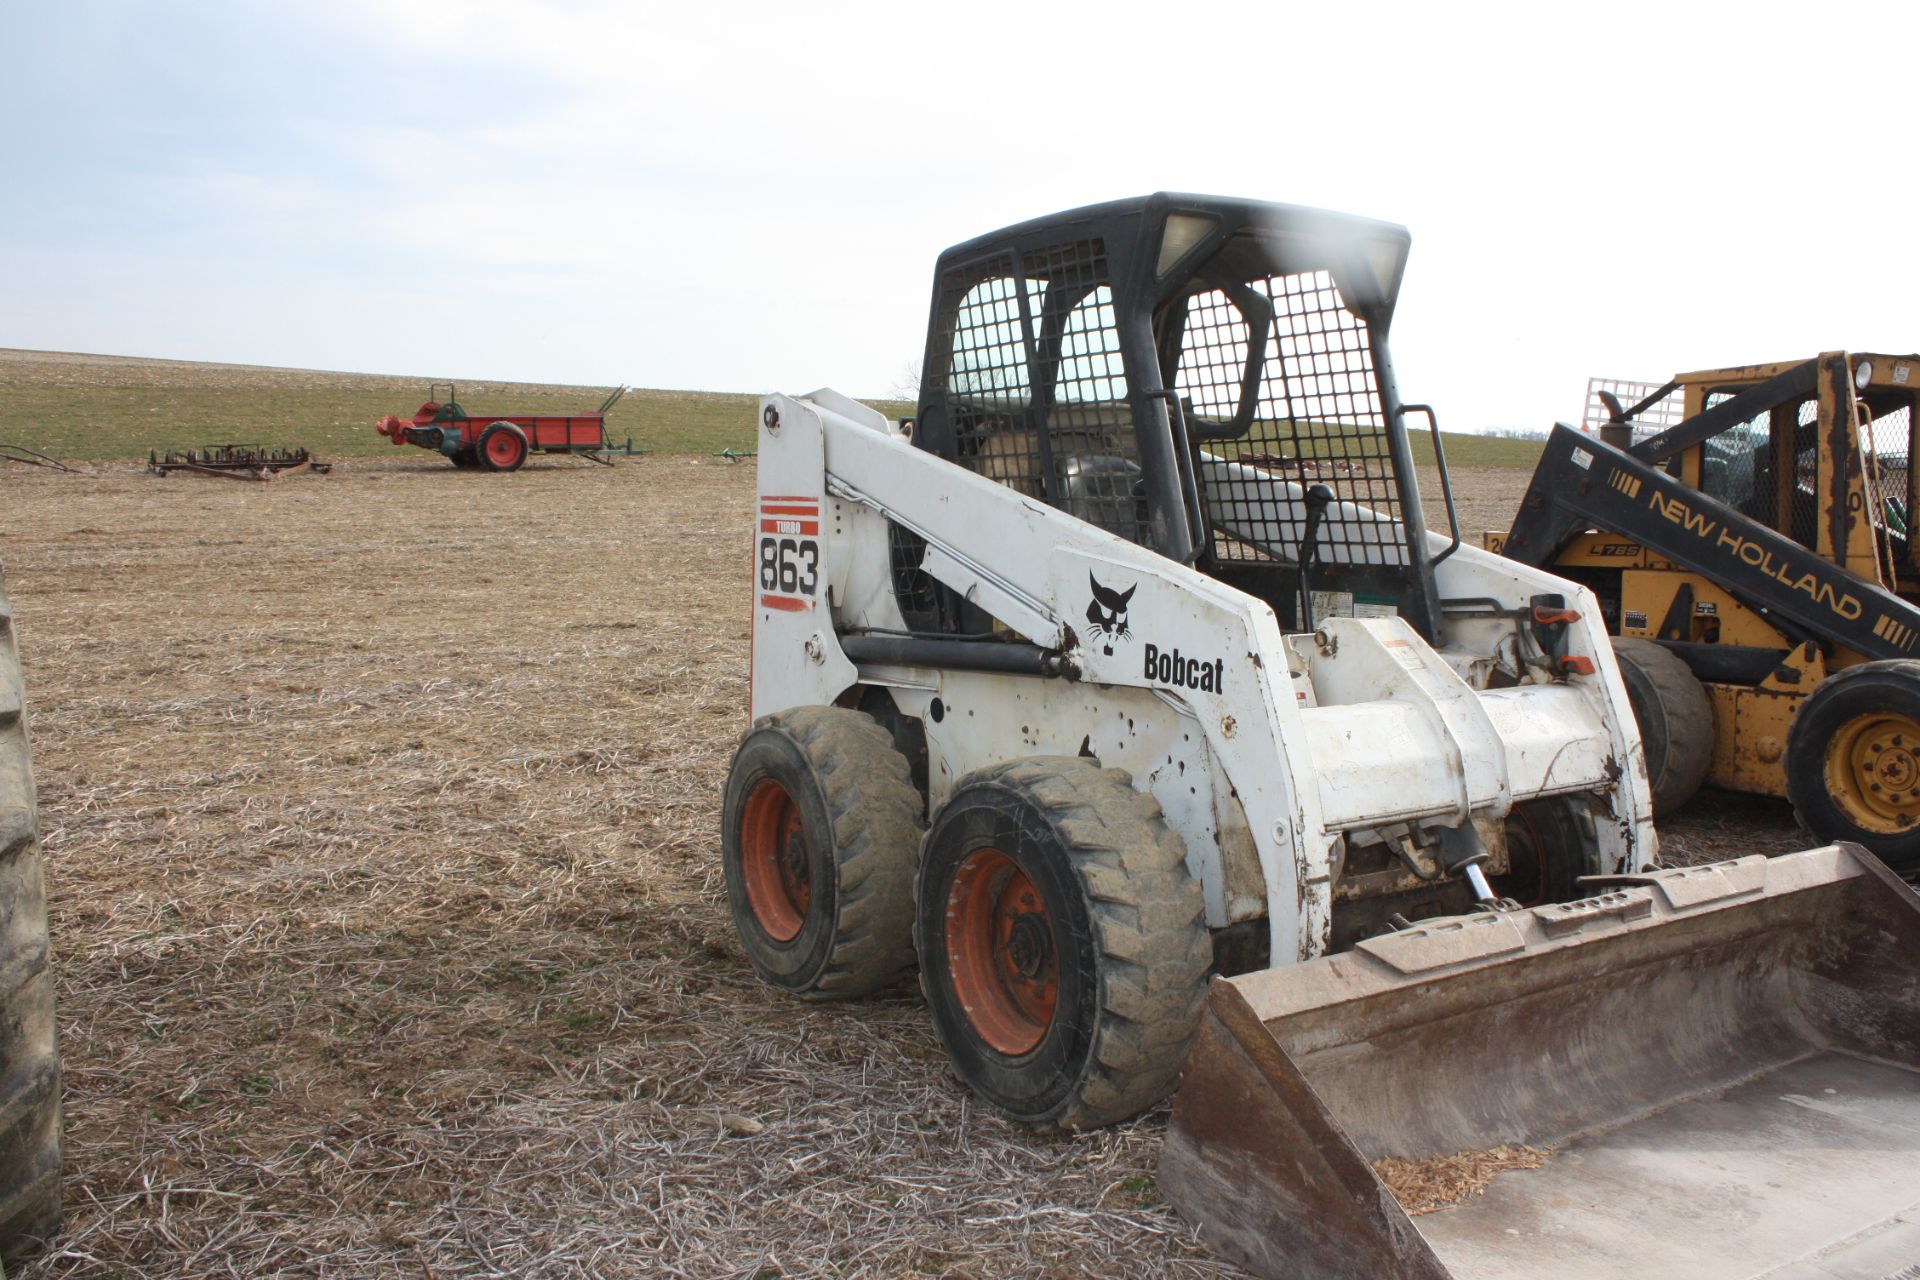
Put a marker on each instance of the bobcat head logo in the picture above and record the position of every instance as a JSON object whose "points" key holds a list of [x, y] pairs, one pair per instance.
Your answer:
{"points": [[1108, 613]]}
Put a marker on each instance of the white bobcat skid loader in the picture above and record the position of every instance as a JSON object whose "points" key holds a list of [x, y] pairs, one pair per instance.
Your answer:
{"points": [[1130, 660]]}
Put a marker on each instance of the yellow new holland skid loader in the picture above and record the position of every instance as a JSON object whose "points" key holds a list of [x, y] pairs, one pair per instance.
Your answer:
{"points": [[1755, 565], [1124, 693]]}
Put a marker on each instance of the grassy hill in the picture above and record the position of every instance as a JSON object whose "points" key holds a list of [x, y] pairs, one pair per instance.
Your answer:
{"points": [[80, 406], [90, 407]]}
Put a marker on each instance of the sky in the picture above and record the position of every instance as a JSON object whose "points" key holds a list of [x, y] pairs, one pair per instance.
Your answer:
{"points": [[745, 198]]}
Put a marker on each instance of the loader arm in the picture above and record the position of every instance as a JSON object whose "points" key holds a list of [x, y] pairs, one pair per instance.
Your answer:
{"points": [[1581, 483], [1030, 566]]}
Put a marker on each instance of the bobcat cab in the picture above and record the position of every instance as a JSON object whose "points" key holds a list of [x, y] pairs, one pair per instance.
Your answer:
{"points": [[1125, 696]]}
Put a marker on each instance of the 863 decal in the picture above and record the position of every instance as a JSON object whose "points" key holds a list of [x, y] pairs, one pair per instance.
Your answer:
{"points": [[790, 566], [787, 563]]}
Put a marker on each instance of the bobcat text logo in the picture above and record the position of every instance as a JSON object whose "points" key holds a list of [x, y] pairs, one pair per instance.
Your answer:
{"points": [[1202, 675], [1108, 613]]}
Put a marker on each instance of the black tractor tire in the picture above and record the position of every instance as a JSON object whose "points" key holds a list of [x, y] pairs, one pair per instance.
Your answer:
{"points": [[820, 825], [496, 435], [1063, 942], [1675, 717], [464, 458], [1550, 845], [29, 1055], [1853, 761]]}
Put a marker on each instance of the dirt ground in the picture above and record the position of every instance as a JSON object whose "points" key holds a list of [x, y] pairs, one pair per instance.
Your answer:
{"points": [[380, 812]]}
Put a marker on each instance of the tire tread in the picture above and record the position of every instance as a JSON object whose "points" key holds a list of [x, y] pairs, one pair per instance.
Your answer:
{"points": [[1148, 914], [877, 824], [1687, 714], [29, 1053], [1805, 759]]}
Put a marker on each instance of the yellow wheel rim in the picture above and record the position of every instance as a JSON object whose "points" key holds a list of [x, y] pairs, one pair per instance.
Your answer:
{"points": [[1873, 771]]}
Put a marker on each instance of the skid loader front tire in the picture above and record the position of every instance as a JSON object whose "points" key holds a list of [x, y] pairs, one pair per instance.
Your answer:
{"points": [[1675, 718], [29, 1058], [820, 827], [1853, 760], [1063, 946]]}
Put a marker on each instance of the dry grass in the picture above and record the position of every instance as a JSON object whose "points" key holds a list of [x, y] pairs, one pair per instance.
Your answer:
{"points": [[89, 406], [381, 812], [1424, 1186], [1728, 824]]}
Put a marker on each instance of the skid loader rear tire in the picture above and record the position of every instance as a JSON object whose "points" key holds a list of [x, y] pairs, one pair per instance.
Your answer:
{"points": [[1063, 945], [1675, 718], [29, 1059], [1550, 845], [1853, 760], [820, 827]]}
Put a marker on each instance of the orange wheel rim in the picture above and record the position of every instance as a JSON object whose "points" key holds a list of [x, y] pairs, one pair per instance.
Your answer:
{"points": [[1001, 952], [774, 861], [1873, 771], [503, 449]]}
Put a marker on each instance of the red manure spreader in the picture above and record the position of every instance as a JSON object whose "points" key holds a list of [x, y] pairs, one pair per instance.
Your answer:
{"points": [[501, 442]]}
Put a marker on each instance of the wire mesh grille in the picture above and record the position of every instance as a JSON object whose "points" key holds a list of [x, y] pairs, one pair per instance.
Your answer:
{"points": [[1737, 464], [1213, 357], [1889, 445], [1036, 386], [1777, 480], [913, 586], [1310, 414], [1803, 494], [1657, 417]]}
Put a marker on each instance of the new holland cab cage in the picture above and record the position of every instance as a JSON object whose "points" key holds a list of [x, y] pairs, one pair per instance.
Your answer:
{"points": [[1155, 365]]}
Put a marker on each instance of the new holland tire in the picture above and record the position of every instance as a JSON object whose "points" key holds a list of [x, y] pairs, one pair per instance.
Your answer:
{"points": [[1853, 760], [820, 825], [1063, 946], [1675, 718], [29, 1058], [501, 448]]}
